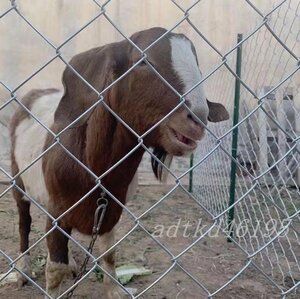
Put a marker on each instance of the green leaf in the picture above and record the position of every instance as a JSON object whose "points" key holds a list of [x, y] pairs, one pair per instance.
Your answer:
{"points": [[125, 273]]}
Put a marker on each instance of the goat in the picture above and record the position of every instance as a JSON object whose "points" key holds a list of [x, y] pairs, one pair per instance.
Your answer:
{"points": [[99, 140]]}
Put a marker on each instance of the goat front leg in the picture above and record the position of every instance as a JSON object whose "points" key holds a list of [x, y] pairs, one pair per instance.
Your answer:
{"points": [[57, 267], [112, 290]]}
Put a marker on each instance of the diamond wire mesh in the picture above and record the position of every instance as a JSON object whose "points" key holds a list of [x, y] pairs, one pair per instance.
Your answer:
{"points": [[257, 201]]}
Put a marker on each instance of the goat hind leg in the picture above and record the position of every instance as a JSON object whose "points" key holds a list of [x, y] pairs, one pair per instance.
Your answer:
{"points": [[23, 264]]}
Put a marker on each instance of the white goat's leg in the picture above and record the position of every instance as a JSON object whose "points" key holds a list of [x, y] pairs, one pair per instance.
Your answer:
{"points": [[112, 290]]}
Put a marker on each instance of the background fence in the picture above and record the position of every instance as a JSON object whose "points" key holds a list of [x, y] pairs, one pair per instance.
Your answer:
{"points": [[266, 197]]}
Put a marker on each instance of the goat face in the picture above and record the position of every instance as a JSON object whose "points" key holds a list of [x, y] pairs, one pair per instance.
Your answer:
{"points": [[150, 99]]}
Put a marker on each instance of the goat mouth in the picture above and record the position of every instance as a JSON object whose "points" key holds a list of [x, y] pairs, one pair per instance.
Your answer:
{"points": [[186, 142]]}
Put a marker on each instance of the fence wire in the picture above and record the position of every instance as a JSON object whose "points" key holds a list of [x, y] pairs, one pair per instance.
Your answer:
{"points": [[267, 191]]}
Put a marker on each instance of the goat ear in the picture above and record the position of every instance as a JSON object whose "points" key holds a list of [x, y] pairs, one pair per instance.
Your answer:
{"points": [[97, 67], [217, 112]]}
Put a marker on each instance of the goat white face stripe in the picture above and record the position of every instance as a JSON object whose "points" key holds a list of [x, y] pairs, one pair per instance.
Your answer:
{"points": [[185, 65]]}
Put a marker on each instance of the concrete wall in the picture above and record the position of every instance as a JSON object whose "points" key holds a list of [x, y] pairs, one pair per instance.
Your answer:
{"points": [[23, 51]]}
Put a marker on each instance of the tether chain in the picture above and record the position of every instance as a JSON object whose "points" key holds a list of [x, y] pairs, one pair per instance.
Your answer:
{"points": [[98, 218]]}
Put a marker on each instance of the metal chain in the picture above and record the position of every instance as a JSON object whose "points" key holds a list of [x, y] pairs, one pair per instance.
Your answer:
{"points": [[98, 218]]}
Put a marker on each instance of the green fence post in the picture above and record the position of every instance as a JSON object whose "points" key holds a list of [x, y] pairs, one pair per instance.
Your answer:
{"points": [[234, 145], [191, 174]]}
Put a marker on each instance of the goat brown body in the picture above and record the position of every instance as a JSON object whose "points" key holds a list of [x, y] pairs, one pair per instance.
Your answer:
{"points": [[71, 182]]}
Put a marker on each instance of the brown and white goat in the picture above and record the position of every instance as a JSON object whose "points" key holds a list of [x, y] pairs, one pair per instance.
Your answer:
{"points": [[99, 140]]}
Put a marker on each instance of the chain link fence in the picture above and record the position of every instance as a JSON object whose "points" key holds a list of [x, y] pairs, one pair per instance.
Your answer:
{"points": [[267, 186], [264, 232]]}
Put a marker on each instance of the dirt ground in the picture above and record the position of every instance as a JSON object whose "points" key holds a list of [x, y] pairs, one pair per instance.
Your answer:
{"points": [[212, 261]]}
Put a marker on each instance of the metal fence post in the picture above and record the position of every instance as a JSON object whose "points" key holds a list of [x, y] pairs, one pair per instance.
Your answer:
{"points": [[191, 173], [235, 135]]}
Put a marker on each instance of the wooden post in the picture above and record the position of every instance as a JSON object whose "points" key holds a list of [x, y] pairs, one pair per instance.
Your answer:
{"points": [[296, 99], [281, 118]]}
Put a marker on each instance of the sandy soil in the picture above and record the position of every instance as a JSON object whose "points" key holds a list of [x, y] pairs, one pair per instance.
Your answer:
{"points": [[212, 261]]}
